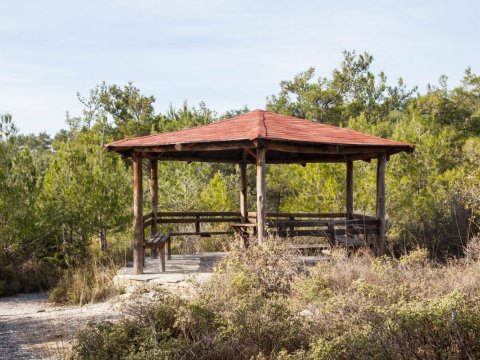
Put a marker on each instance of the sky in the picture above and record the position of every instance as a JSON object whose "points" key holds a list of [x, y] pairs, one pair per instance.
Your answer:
{"points": [[225, 53]]}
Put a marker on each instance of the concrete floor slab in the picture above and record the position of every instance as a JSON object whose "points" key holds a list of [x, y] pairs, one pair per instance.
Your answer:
{"points": [[181, 268]]}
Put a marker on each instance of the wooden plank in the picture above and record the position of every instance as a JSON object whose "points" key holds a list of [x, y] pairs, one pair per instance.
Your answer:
{"points": [[302, 215], [381, 168], [243, 192], [249, 152], [198, 213], [366, 217], [156, 239], [253, 214], [162, 256], [197, 224], [349, 190], [147, 216], [324, 233], [261, 200], [331, 149], [201, 159], [138, 254], [291, 228], [203, 233], [320, 159], [164, 238], [196, 220], [154, 192], [193, 147], [331, 234], [234, 158], [169, 248], [319, 223]]}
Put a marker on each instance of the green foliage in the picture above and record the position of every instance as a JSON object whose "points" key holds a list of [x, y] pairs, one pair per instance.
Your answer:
{"points": [[346, 308], [353, 90], [218, 324], [443, 328], [60, 198], [84, 193], [215, 196]]}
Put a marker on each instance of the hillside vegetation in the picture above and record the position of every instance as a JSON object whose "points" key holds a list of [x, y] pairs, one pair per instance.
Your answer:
{"points": [[65, 201], [260, 304]]}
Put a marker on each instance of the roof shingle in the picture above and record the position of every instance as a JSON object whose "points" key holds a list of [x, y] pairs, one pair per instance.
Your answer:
{"points": [[259, 124]]}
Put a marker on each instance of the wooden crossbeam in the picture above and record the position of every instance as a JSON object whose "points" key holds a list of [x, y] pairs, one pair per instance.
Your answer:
{"points": [[319, 223], [197, 220]]}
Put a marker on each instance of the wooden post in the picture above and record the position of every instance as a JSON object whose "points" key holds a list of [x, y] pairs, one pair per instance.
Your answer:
{"points": [[331, 234], [243, 192], [197, 224], [261, 206], [349, 190], [169, 249], [154, 191], [381, 167], [162, 256], [138, 256]]}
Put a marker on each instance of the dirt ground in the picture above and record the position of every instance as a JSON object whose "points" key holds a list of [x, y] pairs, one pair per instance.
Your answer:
{"points": [[32, 327]]}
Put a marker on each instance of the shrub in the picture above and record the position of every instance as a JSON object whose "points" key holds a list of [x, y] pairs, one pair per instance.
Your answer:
{"points": [[87, 282], [260, 304], [434, 329], [472, 250], [25, 276]]}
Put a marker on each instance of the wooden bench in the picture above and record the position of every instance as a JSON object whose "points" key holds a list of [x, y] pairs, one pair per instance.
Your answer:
{"points": [[338, 232], [158, 241]]}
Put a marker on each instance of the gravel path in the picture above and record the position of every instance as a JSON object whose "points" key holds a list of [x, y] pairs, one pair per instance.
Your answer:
{"points": [[31, 327]]}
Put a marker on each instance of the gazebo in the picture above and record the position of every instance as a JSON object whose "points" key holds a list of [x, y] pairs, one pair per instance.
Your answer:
{"points": [[258, 137]]}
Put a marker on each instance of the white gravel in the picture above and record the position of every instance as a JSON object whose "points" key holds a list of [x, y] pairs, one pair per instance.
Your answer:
{"points": [[32, 327]]}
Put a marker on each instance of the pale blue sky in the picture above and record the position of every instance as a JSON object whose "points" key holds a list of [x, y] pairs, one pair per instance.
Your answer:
{"points": [[226, 53]]}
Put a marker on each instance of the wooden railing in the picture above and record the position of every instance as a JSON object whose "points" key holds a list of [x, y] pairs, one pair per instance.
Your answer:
{"points": [[193, 217], [281, 224]]}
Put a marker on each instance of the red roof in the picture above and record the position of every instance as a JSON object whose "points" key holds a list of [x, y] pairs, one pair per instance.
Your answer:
{"points": [[259, 124]]}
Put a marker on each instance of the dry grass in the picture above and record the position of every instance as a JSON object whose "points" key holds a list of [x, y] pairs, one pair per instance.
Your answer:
{"points": [[262, 303], [88, 282]]}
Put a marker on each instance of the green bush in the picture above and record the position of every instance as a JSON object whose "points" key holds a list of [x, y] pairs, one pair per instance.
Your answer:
{"points": [[445, 328], [26, 276], [261, 305]]}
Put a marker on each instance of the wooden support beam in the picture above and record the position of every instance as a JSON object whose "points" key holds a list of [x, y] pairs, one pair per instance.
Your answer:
{"points": [[381, 167], [197, 220], [331, 234], [189, 147], [191, 159], [234, 159], [197, 223], [243, 192], [169, 248], [154, 191], [331, 149], [261, 200], [349, 190], [250, 152], [162, 256], [138, 255]]}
